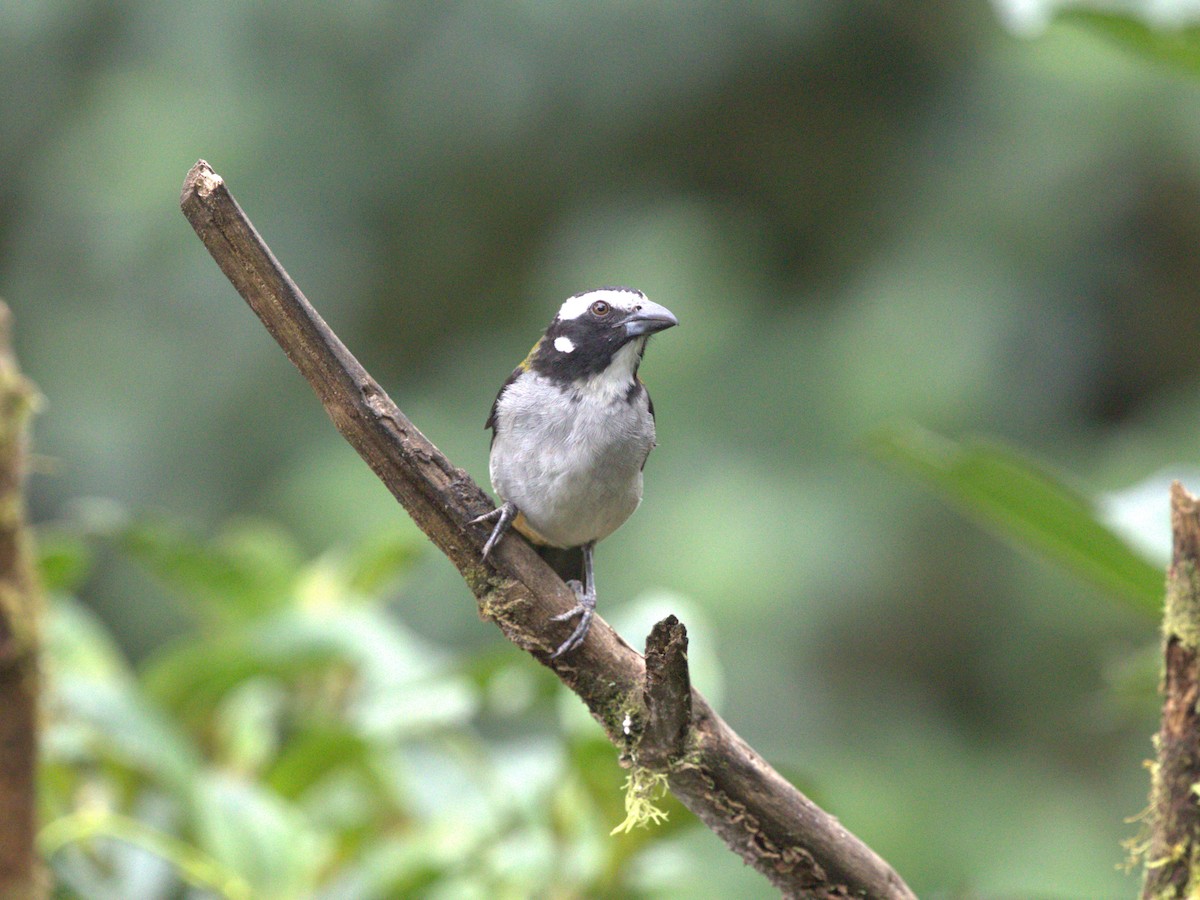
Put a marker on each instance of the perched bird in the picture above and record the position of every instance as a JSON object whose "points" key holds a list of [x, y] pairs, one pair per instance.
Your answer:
{"points": [[571, 430]]}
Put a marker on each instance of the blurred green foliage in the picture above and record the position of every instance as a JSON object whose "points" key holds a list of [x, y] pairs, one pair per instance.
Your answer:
{"points": [[303, 743], [861, 213]]}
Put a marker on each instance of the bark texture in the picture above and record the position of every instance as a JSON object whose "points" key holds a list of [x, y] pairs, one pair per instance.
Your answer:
{"points": [[21, 874], [1173, 853]]}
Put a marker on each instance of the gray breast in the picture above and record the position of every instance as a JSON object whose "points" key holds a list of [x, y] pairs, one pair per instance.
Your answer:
{"points": [[572, 466]]}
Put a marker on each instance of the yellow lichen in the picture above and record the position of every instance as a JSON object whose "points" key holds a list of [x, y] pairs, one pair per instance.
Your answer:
{"points": [[642, 788], [1181, 615]]}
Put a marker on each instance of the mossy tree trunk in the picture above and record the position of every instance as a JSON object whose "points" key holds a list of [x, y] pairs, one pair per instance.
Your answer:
{"points": [[1173, 852], [21, 875]]}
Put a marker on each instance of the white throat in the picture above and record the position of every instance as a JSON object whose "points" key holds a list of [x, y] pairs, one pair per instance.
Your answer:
{"points": [[614, 381]]}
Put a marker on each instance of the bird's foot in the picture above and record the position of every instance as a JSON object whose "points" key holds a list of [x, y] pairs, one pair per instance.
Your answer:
{"points": [[585, 608], [503, 515]]}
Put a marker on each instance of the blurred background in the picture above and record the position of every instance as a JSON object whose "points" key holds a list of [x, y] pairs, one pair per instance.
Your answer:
{"points": [[861, 213]]}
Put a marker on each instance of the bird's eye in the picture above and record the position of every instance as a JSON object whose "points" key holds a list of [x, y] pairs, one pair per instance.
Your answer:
{"points": [[600, 309]]}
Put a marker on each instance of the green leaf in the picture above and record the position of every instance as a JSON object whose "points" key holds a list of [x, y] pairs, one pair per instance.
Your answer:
{"points": [[1177, 46], [372, 566], [377, 645], [78, 643], [258, 835], [314, 753], [247, 727], [401, 681], [110, 721], [191, 676], [1023, 502], [129, 862], [413, 865], [64, 560], [247, 570]]}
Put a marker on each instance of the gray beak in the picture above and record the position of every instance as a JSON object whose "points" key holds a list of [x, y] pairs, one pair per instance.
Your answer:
{"points": [[648, 318]]}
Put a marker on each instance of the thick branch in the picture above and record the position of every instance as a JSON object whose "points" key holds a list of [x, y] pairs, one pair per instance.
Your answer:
{"points": [[21, 877], [1173, 855], [802, 849]]}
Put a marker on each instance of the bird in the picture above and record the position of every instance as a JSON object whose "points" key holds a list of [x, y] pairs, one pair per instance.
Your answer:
{"points": [[571, 430]]}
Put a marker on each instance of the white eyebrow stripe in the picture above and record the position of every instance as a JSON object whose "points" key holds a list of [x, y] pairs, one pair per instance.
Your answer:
{"points": [[563, 344], [620, 298]]}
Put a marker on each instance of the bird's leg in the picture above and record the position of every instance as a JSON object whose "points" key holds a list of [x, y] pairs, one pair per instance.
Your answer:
{"points": [[503, 515], [585, 608]]}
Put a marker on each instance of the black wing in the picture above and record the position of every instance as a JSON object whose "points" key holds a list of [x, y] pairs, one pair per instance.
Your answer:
{"points": [[516, 373], [637, 390], [491, 419]]}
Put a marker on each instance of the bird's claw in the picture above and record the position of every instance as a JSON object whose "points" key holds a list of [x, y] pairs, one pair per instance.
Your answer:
{"points": [[585, 609], [503, 515]]}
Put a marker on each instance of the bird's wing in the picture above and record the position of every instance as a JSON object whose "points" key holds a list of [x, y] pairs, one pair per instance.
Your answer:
{"points": [[516, 373]]}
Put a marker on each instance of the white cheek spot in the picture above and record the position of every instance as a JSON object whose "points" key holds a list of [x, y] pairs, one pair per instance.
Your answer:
{"points": [[563, 344]]}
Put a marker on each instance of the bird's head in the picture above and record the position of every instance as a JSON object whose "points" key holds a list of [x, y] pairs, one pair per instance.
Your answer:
{"points": [[600, 331]]}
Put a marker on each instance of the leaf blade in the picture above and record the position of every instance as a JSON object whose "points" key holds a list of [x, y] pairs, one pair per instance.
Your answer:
{"points": [[1025, 503]]}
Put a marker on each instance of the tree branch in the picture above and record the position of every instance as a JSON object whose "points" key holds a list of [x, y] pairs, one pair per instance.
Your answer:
{"points": [[21, 875], [803, 850], [1173, 853]]}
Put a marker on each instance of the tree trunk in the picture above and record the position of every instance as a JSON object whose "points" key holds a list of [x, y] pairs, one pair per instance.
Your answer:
{"points": [[21, 874]]}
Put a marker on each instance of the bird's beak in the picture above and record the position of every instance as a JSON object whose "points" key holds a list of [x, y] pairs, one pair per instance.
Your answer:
{"points": [[648, 318]]}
